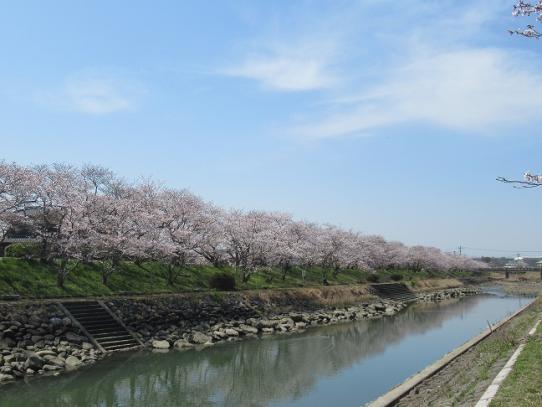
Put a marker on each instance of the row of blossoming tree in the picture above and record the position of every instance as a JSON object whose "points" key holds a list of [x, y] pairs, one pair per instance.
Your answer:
{"points": [[90, 215]]}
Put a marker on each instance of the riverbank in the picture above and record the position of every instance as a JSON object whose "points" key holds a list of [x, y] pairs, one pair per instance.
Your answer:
{"points": [[465, 379], [233, 318], [37, 338], [522, 386], [24, 279]]}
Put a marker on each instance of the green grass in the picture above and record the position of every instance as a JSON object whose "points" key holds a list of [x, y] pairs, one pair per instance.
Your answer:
{"points": [[32, 279], [464, 380], [523, 386]]}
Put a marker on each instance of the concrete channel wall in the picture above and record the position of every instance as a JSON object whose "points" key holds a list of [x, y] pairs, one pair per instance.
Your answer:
{"points": [[395, 394]]}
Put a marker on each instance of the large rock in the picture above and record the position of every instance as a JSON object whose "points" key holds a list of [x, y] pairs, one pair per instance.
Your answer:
{"points": [[231, 332], [200, 338], [182, 344], [156, 344], [72, 362], [267, 323], [51, 368], [74, 338], [6, 369], [34, 362], [87, 346], [247, 329], [6, 377], [7, 343], [56, 322], [55, 360], [43, 353]]}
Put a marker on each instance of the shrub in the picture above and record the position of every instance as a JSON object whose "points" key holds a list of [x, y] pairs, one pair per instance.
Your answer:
{"points": [[222, 281], [396, 277], [23, 250], [373, 278]]}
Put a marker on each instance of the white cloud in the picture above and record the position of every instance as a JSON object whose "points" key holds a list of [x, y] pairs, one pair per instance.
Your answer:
{"points": [[469, 89], [295, 62], [96, 96], [286, 72], [92, 93]]}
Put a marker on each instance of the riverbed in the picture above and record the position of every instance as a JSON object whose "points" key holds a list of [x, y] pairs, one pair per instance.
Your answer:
{"points": [[348, 364]]}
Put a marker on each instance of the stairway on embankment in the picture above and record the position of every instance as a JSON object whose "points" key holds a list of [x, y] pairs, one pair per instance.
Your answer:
{"points": [[101, 326], [393, 291]]}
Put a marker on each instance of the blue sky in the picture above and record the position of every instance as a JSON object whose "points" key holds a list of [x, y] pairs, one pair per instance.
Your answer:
{"points": [[381, 116]]}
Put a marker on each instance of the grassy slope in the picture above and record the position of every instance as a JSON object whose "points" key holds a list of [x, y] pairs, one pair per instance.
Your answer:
{"points": [[523, 386], [35, 280]]}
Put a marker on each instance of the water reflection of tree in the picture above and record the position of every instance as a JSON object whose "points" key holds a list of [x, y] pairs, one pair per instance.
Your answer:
{"points": [[250, 373]]}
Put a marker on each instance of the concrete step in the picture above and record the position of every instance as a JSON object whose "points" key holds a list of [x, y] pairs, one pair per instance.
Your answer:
{"points": [[393, 291], [101, 326]]}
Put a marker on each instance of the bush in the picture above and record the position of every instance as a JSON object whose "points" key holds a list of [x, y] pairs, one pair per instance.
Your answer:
{"points": [[396, 277], [222, 282], [23, 250], [373, 278]]}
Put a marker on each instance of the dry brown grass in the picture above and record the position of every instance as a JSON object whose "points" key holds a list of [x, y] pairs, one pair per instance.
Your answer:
{"points": [[435, 284], [526, 276], [332, 296]]}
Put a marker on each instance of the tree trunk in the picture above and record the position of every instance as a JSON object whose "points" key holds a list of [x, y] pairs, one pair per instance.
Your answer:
{"points": [[108, 270], [171, 274], [60, 278], [105, 277], [61, 273], [285, 267], [246, 276]]}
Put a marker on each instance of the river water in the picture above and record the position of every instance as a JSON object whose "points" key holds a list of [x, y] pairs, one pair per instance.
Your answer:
{"points": [[341, 365]]}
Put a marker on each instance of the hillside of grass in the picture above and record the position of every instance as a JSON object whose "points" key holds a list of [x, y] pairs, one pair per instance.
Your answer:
{"points": [[32, 279]]}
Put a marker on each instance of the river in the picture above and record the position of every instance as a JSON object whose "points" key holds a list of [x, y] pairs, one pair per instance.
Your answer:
{"points": [[341, 365]]}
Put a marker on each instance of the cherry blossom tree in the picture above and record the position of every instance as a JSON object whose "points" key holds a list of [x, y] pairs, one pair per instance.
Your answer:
{"points": [[17, 190], [247, 236], [91, 215], [211, 240], [529, 181], [183, 218], [114, 229], [99, 179], [55, 188], [522, 8]]}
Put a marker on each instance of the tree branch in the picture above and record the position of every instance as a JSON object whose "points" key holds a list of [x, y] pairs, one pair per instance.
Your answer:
{"points": [[520, 184]]}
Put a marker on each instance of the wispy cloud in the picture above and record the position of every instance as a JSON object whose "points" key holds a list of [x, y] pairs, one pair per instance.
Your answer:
{"points": [[285, 73], [294, 50], [384, 63], [93, 93], [301, 67], [470, 89]]}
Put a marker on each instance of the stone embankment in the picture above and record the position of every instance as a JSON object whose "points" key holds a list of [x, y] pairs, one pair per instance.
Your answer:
{"points": [[40, 339], [179, 323], [37, 338], [443, 295]]}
